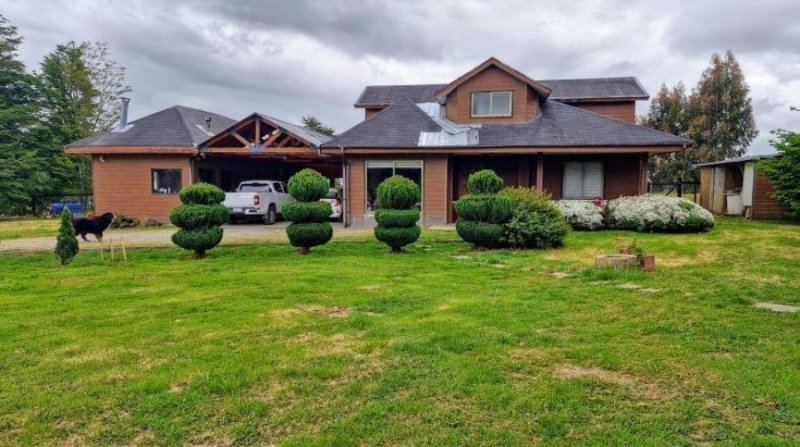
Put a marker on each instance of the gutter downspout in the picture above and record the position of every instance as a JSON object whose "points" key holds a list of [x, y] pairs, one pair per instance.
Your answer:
{"points": [[345, 196]]}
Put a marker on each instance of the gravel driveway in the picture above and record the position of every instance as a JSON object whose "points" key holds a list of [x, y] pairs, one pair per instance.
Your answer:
{"points": [[161, 237]]}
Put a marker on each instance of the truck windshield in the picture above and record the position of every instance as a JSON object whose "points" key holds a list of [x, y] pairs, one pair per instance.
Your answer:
{"points": [[255, 187]]}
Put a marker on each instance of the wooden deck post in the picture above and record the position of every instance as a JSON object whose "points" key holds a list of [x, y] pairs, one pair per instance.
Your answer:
{"points": [[540, 172]]}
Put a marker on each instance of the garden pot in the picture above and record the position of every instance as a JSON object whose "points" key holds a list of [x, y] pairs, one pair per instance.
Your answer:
{"points": [[648, 263]]}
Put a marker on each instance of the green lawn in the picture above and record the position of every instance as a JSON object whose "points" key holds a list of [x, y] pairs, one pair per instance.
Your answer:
{"points": [[42, 227], [22, 228], [440, 346]]}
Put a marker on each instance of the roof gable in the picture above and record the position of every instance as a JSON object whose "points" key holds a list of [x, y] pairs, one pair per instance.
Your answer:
{"points": [[442, 93]]}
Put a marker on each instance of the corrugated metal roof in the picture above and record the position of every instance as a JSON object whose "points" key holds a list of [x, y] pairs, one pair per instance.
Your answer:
{"points": [[739, 160]]}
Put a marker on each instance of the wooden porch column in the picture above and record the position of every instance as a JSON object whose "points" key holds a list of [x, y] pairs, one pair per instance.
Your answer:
{"points": [[540, 172], [643, 158]]}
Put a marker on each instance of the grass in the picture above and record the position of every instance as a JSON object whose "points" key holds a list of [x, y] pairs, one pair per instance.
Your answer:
{"points": [[442, 345], [43, 227], [22, 228]]}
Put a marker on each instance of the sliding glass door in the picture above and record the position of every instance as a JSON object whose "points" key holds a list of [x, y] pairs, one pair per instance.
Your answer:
{"points": [[378, 171]]}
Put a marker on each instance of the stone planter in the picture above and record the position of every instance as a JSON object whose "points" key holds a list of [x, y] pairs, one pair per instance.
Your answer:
{"points": [[648, 263], [617, 262]]}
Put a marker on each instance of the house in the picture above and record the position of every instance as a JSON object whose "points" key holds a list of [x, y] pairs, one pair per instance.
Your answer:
{"points": [[139, 167], [575, 138], [736, 187]]}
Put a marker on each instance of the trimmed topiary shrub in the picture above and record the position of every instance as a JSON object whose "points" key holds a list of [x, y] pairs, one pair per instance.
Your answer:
{"points": [[582, 215], [66, 242], [482, 214], [658, 213], [309, 216], [199, 218], [535, 221], [397, 214]]}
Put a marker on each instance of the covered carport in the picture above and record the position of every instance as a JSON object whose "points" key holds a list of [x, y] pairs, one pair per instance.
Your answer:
{"points": [[263, 147]]}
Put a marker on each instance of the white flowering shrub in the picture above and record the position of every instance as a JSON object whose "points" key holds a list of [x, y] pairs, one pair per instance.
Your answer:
{"points": [[582, 215], [658, 213]]}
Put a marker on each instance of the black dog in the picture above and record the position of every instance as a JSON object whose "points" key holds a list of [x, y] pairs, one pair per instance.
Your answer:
{"points": [[95, 226]]}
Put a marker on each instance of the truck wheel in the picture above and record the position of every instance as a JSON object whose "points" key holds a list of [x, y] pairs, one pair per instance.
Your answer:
{"points": [[233, 220], [271, 216]]}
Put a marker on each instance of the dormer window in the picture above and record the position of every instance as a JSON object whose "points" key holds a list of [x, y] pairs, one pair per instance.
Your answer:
{"points": [[491, 104]]}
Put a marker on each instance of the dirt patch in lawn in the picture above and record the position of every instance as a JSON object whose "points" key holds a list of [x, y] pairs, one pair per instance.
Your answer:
{"points": [[649, 390]]}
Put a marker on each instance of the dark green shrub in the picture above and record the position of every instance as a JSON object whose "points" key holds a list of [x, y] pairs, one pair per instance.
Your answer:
{"points": [[397, 214], [66, 242], [302, 212], [397, 237], [784, 172], [308, 185], [484, 181], [199, 218], [481, 234], [398, 193], [397, 218], [536, 222], [201, 194], [307, 235], [309, 216], [482, 213], [198, 240], [484, 208]]}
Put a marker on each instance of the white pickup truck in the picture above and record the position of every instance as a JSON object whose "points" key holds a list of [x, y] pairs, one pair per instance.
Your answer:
{"points": [[257, 198]]}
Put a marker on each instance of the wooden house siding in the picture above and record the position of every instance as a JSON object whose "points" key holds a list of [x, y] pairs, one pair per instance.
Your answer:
{"points": [[764, 206], [122, 185], [459, 102], [623, 111]]}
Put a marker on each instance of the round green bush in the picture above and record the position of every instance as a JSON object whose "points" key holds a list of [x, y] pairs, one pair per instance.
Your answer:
{"points": [[196, 217], [398, 193], [481, 234], [397, 218], [199, 240], [307, 235], [199, 218], [484, 181], [308, 185], [484, 208], [201, 194], [306, 212], [536, 222], [397, 237]]}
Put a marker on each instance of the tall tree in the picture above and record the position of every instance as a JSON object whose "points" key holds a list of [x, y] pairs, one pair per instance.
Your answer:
{"points": [[108, 79], [784, 172], [20, 128], [721, 112], [311, 122], [669, 113]]}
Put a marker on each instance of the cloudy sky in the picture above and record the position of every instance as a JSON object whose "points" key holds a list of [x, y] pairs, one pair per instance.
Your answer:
{"points": [[301, 57]]}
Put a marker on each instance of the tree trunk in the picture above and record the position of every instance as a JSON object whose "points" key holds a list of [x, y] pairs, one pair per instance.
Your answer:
{"points": [[199, 254], [303, 250]]}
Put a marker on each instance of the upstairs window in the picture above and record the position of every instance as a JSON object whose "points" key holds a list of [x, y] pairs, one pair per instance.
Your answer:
{"points": [[166, 181], [583, 180], [491, 104]]}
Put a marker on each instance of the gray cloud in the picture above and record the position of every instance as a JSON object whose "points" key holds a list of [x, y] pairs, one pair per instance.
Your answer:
{"points": [[291, 59]]}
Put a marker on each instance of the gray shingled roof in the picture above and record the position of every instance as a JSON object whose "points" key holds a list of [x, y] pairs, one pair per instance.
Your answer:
{"points": [[559, 125], [562, 90], [593, 88], [175, 126]]}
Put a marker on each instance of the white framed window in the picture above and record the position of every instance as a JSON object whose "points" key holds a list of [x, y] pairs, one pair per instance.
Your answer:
{"points": [[583, 180], [378, 171], [166, 181], [491, 104]]}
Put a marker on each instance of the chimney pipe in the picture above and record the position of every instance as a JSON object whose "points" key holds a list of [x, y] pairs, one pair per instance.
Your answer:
{"points": [[123, 112], [208, 123]]}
